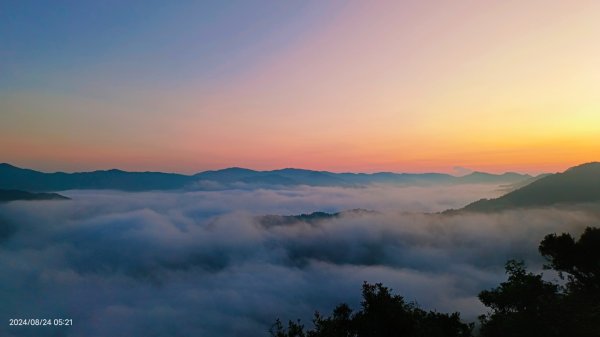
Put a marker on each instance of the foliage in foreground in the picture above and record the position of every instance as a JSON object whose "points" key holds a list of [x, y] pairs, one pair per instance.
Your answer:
{"points": [[381, 314], [523, 306], [526, 305]]}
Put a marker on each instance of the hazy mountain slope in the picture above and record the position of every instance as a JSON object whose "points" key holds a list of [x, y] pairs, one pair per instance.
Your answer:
{"points": [[12, 177], [487, 178], [522, 183], [576, 185], [12, 195]]}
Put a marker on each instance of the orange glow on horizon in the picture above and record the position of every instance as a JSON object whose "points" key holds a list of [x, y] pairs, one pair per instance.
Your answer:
{"points": [[385, 86]]}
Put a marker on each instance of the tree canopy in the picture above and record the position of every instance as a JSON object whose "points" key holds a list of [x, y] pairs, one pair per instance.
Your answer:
{"points": [[525, 305], [382, 314]]}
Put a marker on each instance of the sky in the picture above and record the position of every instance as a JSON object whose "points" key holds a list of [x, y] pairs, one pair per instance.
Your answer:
{"points": [[404, 86]]}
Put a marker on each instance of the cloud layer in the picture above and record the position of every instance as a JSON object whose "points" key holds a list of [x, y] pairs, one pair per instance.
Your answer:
{"points": [[200, 263]]}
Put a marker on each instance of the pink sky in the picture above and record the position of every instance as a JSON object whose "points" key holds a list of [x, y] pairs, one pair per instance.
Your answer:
{"points": [[357, 86]]}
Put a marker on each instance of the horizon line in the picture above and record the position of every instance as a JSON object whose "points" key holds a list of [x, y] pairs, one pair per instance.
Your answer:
{"points": [[278, 169]]}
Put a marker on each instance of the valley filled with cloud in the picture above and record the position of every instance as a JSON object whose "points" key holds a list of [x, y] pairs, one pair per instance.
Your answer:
{"points": [[183, 263]]}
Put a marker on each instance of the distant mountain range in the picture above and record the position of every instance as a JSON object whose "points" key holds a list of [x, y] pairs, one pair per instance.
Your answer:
{"points": [[578, 184], [12, 177], [13, 195]]}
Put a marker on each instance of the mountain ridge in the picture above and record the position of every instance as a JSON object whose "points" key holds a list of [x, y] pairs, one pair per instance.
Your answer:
{"points": [[577, 184], [13, 177], [14, 195]]}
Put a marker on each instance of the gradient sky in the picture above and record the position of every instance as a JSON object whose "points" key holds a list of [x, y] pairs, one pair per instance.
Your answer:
{"points": [[407, 86]]}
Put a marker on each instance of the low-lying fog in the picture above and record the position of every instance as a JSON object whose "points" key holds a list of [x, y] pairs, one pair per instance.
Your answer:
{"points": [[201, 264]]}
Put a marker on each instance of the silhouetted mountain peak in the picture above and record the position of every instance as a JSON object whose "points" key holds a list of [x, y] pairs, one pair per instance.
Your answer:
{"points": [[485, 174], [477, 173], [297, 170], [230, 170], [578, 184], [591, 167], [237, 169], [7, 166], [114, 170]]}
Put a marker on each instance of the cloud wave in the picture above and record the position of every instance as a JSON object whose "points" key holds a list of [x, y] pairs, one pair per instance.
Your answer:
{"points": [[200, 263]]}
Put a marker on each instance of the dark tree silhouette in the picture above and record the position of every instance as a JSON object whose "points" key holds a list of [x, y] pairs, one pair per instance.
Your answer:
{"points": [[382, 314], [524, 305], [580, 261], [294, 329], [340, 324]]}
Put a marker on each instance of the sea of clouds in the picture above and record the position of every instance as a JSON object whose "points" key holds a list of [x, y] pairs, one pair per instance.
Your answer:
{"points": [[201, 263]]}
